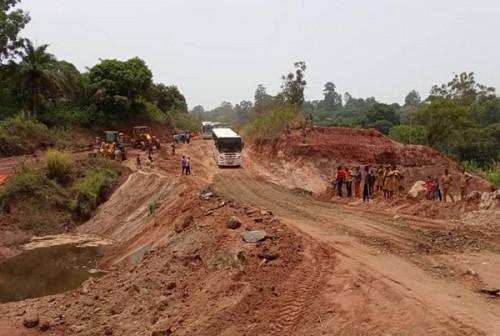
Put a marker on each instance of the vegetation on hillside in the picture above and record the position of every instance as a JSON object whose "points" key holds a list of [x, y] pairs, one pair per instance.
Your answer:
{"points": [[47, 92], [63, 193]]}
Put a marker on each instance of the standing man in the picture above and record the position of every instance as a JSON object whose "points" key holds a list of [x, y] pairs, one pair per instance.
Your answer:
{"points": [[188, 166], [366, 185], [348, 181], [340, 179], [357, 182], [183, 163], [138, 162], [464, 184], [446, 180]]}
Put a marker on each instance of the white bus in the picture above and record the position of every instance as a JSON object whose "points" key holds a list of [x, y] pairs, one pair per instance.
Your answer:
{"points": [[207, 127], [227, 147]]}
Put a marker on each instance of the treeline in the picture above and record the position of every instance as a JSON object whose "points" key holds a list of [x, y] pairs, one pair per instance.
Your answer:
{"points": [[460, 118], [36, 85]]}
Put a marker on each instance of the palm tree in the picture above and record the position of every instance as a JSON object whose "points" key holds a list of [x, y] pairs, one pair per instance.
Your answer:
{"points": [[38, 79]]}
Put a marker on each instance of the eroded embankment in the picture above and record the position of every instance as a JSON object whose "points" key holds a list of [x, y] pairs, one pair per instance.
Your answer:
{"points": [[310, 162]]}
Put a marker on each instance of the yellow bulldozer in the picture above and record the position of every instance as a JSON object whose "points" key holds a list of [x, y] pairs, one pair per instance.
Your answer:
{"points": [[142, 138], [113, 146]]}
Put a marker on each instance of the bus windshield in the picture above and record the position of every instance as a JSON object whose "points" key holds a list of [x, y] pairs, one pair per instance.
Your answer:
{"points": [[207, 128], [229, 145]]}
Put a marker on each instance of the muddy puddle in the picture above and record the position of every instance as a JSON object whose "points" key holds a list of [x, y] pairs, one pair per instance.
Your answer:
{"points": [[48, 270]]}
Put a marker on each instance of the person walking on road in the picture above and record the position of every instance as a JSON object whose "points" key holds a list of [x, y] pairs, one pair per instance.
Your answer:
{"points": [[357, 182], [446, 180], [173, 148]]}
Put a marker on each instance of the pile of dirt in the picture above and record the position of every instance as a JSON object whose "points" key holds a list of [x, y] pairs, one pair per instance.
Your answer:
{"points": [[310, 162], [203, 280]]}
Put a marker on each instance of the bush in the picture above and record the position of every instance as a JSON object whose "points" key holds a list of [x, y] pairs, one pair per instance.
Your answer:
{"points": [[270, 125], [492, 173], [31, 184], [183, 121], [20, 136], [92, 190], [59, 165], [408, 134]]}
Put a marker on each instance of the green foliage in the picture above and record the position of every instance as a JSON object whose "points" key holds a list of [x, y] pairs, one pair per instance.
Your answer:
{"points": [[167, 98], [442, 117], [383, 126], [492, 173], [23, 136], [115, 86], [59, 165], [11, 23], [31, 184], [271, 124], [92, 190], [294, 85], [482, 145], [184, 122], [378, 112], [409, 134]]}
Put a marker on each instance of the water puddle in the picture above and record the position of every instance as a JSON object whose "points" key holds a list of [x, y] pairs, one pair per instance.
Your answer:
{"points": [[47, 269]]}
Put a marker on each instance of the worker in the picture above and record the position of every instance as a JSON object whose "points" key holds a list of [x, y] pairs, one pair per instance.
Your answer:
{"points": [[173, 148], [428, 187], [366, 185], [183, 164], [138, 162], [446, 180], [464, 184], [398, 176], [388, 182], [188, 166], [357, 182], [348, 181], [339, 180]]}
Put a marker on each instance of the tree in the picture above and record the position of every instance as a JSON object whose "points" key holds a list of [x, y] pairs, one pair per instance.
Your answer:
{"points": [[167, 98], [332, 100], [115, 87], [442, 117], [262, 99], [294, 85], [37, 79], [11, 23], [379, 112], [198, 110], [409, 134], [413, 99], [463, 88]]}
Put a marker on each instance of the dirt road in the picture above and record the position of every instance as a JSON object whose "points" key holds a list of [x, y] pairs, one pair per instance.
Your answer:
{"points": [[393, 277]]}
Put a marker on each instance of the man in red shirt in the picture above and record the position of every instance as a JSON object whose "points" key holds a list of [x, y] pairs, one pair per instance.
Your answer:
{"points": [[428, 186], [340, 179]]}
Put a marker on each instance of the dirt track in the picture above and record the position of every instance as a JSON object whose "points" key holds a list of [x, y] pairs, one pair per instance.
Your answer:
{"points": [[342, 269], [393, 277]]}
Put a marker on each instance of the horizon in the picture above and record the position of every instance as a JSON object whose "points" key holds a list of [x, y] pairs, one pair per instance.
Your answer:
{"points": [[188, 44]]}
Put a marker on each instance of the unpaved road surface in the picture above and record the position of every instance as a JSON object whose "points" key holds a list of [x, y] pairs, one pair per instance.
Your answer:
{"points": [[392, 276]]}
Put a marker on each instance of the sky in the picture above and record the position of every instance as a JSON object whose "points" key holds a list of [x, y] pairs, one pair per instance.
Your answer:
{"points": [[220, 50]]}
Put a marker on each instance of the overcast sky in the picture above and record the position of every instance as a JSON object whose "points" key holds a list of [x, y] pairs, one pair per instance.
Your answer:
{"points": [[220, 50]]}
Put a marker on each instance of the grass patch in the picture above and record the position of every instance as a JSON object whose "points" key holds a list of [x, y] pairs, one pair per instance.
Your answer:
{"points": [[92, 190], [59, 165], [29, 184], [492, 173], [19, 136], [269, 125]]}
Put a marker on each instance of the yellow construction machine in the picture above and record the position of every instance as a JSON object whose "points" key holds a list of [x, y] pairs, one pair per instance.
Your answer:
{"points": [[142, 138]]}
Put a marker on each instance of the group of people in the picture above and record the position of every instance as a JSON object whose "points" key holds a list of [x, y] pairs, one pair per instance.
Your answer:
{"points": [[386, 179], [441, 192], [186, 165]]}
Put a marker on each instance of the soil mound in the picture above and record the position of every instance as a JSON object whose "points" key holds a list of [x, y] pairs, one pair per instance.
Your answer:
{"points": [[324, 148]]}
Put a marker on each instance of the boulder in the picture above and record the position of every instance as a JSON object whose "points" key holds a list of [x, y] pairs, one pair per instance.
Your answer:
{"points": [[233, 223], [31, 320], [254, 236], [418, 191], [490, 201], [230, 257]]}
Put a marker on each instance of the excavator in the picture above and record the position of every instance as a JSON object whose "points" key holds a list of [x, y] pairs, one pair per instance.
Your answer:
{"points": [[113, 146], [142, 138]]}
